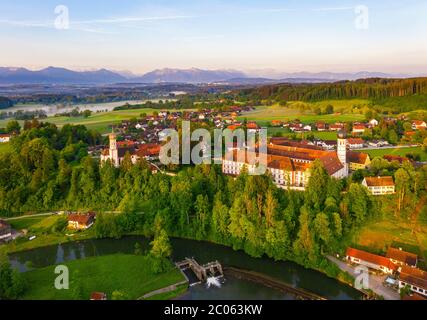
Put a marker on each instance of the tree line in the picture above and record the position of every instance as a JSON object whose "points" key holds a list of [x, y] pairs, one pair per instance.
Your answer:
{"points": [[372, 89], [49, 169]]}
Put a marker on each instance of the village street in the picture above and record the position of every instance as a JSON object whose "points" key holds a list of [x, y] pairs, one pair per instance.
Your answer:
{"points": [[375, 281]]}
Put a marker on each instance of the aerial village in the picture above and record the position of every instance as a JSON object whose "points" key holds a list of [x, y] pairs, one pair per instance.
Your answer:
{"points": [[288, 162]]}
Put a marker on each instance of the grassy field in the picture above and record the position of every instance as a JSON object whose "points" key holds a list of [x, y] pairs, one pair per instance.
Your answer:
{"points": [[25, 222], [4, 147], [397, 232], [97, 121], [264, 115], [129, 274], [325, 135], [397, 152], [43, 228]]}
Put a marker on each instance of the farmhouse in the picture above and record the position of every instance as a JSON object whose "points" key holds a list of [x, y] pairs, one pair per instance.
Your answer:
{"points": [[4, 138], [320, 126], [415, 278], [379, 185], [336, 127], [358, 128], [370, 260], [5, 231], [355, 143], [400, 257], [78, 221], [418, 124], [358, 160]]}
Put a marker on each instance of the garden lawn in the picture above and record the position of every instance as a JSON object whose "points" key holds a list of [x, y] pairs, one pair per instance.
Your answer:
{"points": [[129, 274], [397, 152]]}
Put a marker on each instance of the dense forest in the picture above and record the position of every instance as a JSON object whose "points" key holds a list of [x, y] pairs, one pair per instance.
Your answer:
{"points": [[49, 169], [376, 89]]}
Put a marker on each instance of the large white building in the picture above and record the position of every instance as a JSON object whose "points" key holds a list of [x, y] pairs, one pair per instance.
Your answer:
{"points": [[289, 165]]}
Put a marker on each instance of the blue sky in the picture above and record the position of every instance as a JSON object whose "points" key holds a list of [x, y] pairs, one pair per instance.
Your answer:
{"points": [[257, 36]]}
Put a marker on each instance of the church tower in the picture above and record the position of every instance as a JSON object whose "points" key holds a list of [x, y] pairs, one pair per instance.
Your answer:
{"points": [[114, 153], [342, 150]]}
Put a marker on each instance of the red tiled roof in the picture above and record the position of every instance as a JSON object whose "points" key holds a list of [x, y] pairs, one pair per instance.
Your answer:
{"points": [[357, 157], [149, 150], [379, 181], [98, 296], [371, 258], [331, 163], [359, 127], [252, 125], [355, 141], [402, 256], [418, 122], [414, 297], [82, 219], [414, 276]]}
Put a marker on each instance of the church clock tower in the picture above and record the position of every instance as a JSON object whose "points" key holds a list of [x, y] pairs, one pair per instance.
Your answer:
{"points": [[342, 150], [114, 153]]}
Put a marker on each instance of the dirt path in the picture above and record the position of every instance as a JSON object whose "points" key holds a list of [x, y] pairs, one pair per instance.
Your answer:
{"points": [[30, 216], [163, 290]]}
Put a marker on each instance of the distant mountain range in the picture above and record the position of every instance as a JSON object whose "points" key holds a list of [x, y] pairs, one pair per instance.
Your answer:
{"points": [[54, 75]]}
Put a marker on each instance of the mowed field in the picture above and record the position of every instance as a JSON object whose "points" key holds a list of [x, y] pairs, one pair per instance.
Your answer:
{"points": [[129, 274], [265, 114], [324, 135], [97, 121], [397, 232], [397, 152]]}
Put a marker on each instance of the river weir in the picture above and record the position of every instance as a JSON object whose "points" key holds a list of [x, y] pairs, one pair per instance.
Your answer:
{"points": [[209, 272], [233, 286]]}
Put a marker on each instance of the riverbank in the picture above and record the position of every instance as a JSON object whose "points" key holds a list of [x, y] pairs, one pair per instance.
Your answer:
{"points": [[204, 252], [88, 235], [100, 274]]}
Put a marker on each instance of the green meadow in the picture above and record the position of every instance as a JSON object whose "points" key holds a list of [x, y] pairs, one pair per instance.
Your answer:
{"points": [[128, 274], [97, 121], [344, 111], [397, 152]]}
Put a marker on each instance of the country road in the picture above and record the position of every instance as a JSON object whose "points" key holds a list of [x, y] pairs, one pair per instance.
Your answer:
{"points": [[31, 216]]}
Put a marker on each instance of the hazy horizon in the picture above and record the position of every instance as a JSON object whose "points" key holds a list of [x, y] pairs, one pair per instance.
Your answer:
{"points": [[257, 37]]}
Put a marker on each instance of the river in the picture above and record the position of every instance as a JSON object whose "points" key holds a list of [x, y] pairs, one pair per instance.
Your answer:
{"points": [[52, 109], [203, 252]]}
